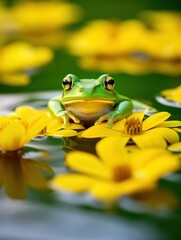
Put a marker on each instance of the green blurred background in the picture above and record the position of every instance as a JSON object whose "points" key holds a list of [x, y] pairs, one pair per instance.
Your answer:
{"points": [[80, 223]]}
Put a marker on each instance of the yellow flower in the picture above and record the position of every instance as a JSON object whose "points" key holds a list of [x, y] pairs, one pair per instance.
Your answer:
{"points": [[54, 125], [19, 57], [154, 131], [17, 173], [111, 45], [165, 42], [173, 94], [108, 39], [15, 133], [115, 171], [44, 16], [164, 21]]}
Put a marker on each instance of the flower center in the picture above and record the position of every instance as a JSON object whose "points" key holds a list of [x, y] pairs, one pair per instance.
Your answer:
{"points": [[133, 126], [121, 173]]}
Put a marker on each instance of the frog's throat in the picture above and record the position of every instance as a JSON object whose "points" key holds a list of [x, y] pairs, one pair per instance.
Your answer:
{"points": [[89, 110]]}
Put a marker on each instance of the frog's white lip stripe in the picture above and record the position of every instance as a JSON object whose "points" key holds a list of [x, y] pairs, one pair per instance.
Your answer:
{"points": [[88, 100]]}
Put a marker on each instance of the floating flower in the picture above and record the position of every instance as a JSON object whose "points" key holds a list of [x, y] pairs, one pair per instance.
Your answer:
{"points": [[44, 16], [164, 21], [94, 39], [173, 94], [18, 173], [153, 131], [165, 42], [19, 58], [116, 171], [39, 21], [54, 125], [127, 46], [15, 133]]}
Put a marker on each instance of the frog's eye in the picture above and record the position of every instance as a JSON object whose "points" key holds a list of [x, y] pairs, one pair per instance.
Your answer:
{"points": [[67, 83], [109, 83]]}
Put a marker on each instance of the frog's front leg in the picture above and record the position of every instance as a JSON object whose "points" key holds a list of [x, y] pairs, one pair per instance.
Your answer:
{"points": [[56, 107], [122, 110]]}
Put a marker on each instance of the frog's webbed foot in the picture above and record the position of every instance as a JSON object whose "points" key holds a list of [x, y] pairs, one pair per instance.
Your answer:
{"points": [[66, 116], [110, 117]]}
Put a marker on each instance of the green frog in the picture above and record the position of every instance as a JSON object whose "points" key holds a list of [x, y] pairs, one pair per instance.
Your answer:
{"points": [[92, 101]]}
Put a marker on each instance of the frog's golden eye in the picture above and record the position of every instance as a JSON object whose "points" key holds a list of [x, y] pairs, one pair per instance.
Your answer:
{"points": [[67, 83], [109, 83]]}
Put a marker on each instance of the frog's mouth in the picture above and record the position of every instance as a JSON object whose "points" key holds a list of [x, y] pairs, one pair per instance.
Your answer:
{"points": [[87, 101], [89, 108]]}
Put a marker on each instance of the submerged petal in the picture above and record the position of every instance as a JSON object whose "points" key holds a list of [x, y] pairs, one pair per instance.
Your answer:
{"points": [[14, 178], [154, 120]]}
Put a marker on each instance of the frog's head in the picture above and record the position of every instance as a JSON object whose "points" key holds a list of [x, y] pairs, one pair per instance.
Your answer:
{"points": [[75, 89]]}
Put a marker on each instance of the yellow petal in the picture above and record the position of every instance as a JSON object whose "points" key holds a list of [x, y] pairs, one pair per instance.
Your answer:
{"points": [[176, 147], [168, 134], [71, 182], [12, 136], [177, 129], [98, 131], [149, 140], [63, 133], [170, 124], [159, 166], [119, 126], [109, 191], [54, 125], [87, 163], [141, 158], [139, 115], [154, 120], [25, 112], [75, 126], [36, 126], [105, 191], [111, 151]]}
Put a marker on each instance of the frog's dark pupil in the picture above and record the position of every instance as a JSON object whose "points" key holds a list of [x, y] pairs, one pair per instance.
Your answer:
{"points": [[111, 81], [65, 82]]}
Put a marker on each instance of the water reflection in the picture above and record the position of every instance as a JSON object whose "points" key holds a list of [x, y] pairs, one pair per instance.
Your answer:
{"points": [[80, 144], [18, 173]]}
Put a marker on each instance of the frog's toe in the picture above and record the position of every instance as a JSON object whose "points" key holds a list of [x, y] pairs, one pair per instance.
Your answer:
{"points": [[73, 117], [102, 119]]}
